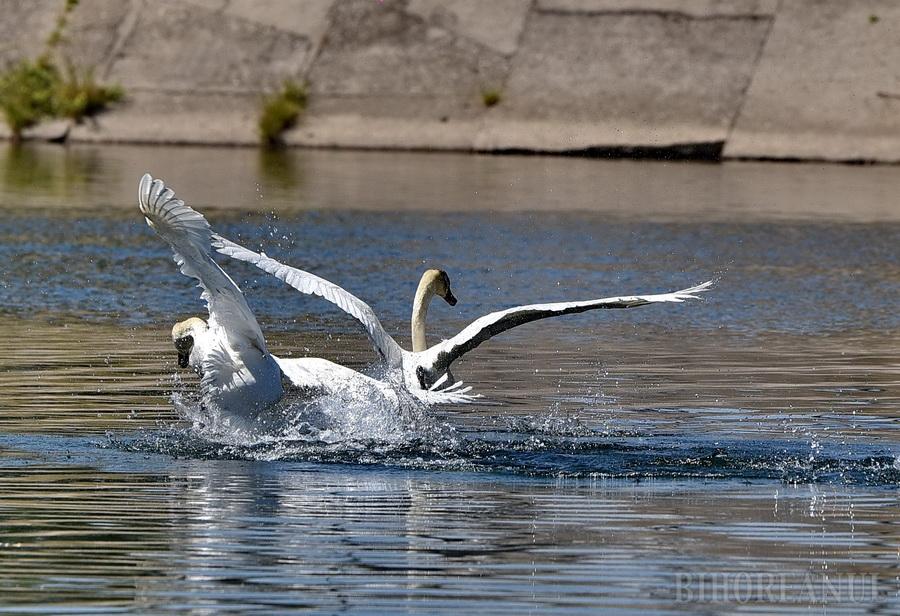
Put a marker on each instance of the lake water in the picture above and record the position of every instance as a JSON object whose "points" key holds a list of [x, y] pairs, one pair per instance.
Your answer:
{"points": [[736, 454]]}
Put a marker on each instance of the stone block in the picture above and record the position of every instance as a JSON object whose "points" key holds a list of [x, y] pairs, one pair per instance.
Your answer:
{"points": [[607, 79], [92, 32], [176, 118], [496, 24], [25, 27], [308, 18], [827, 85], [179, 46], [377, 49]]}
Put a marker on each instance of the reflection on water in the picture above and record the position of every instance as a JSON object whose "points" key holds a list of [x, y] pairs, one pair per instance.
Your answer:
{"points": [[614, 457], [56, 174], [281, 169], [290, 180], [215, 535]]}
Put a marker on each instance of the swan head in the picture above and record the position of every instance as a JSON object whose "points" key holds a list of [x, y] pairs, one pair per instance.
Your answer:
{"points": [[183, 335], [439, 282]]}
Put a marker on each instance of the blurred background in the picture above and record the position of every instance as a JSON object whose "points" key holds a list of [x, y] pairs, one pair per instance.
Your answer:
{"points": [[706, 79]]}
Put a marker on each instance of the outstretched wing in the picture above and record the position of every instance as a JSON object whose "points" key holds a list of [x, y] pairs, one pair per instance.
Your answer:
{"points": [[443, 354], [311, 284], [189, 235]]}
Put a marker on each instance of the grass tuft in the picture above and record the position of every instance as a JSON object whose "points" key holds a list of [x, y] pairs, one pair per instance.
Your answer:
{"points": [[491, 97], [80, 96], [280, 112], [28, 94], [34, 90]]}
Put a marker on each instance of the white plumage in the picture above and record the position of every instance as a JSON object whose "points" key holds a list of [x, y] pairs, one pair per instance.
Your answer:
{"points": [[430, 369], [239, 376]]}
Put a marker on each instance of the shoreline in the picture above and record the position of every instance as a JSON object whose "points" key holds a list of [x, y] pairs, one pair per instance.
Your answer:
{"points": [[690, 153], [241, 179]]}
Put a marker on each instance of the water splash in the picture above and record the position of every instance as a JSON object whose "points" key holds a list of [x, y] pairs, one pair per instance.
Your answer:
{"points": [[333, 419], [532, 445]]}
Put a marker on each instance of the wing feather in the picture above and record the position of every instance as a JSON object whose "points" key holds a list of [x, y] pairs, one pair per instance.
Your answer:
{"points": [[189, 235], [488, 326], [311, 284]]}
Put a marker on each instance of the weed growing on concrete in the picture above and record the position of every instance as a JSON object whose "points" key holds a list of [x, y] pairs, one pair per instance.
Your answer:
{"points": [[79, 95], [491, 97], [873, 19], [27, 94], [280, 112], [34, 90]]}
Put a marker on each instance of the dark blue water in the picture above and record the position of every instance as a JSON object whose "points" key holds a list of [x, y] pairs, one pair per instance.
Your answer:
{"points": [[616, 460], [791, 277]]}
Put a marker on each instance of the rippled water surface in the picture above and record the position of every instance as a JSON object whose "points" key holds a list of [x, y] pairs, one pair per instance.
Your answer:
{"points": [[740, 453]]}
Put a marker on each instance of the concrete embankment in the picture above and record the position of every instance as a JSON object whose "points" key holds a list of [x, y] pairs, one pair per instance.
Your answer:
{"points": [[780, 79]]}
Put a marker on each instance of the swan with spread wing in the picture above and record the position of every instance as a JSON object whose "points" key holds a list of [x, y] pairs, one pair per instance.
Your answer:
{"points": [[428, 367], [239, 376]]}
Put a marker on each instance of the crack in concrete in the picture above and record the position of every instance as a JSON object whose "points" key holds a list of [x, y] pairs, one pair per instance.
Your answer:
{"points": [[754, 69], [123, 33], [652, 13]]}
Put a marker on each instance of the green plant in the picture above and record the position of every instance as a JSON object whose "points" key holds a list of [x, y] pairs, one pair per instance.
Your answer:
{"points": [[873, 19], [28, 94], [280, 111], [491, 97], [79, 95], [33, 90], [62, 21]]}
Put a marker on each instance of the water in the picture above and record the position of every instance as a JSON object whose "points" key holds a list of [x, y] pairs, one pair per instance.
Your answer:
{"points": [[739, 453]]}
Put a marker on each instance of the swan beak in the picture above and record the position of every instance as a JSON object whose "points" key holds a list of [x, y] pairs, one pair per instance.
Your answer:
{"points": [[450, 298], [184, 345]]}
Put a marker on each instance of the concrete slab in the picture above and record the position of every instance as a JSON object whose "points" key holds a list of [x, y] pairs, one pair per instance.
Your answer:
{"points": [[692, 8], [91, 33], [496, 24], [390, 122], [309, 18], [378, 49], [176, 118], [347, 130], [25, 27], [827, 85], [596, 80], [180, 46]]}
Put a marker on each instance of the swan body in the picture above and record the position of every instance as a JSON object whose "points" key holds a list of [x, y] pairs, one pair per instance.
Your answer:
{"points": [[427, 368], [239, 376], [320, 377]]}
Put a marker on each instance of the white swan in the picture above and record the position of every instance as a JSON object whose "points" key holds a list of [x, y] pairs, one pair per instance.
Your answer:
{"points": [[428, 368], [239, 376]]}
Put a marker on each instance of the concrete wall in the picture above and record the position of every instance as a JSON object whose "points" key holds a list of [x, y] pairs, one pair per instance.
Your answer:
{"points": [[795, 79]]}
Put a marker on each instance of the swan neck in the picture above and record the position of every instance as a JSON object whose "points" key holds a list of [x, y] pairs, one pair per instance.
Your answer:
{"points": [[420, 310]]}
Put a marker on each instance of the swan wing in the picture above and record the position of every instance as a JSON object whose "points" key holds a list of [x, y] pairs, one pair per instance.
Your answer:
{"points": [[311, 284], [189, 235], [441, 355]]}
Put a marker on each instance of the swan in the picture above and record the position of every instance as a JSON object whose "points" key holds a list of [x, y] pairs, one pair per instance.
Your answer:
{"points": [[239, 376], [427, 368]]}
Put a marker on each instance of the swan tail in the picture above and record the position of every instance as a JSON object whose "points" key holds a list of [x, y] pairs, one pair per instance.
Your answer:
{"points": [[437, 384], [448, 397], [454, 393]]}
